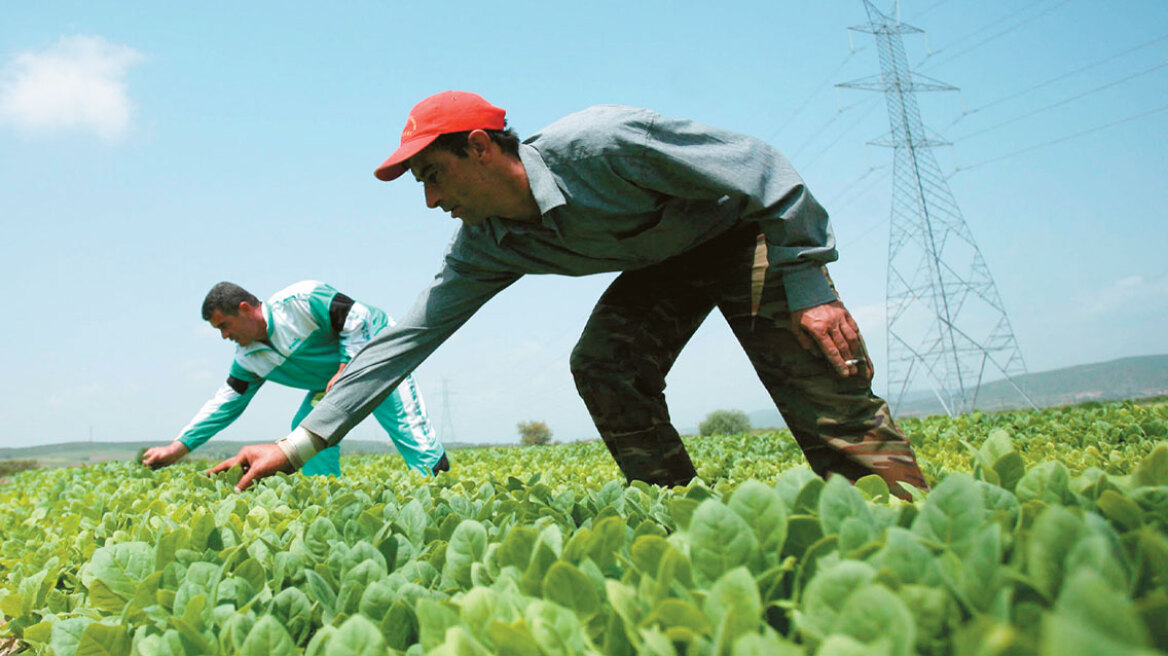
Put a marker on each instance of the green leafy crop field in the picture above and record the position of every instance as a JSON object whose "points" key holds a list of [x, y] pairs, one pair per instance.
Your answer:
{"points": [[1044, 533]]}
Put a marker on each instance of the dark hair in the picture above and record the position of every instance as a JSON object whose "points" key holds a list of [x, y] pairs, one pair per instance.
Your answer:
{"points": [[456, 142], [226, 297]]}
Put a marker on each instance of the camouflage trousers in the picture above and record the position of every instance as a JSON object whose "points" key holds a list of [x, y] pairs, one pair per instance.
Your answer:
{"points": [[646, 316]]}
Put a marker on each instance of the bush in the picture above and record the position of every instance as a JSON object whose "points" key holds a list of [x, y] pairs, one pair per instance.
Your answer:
{"points": [[12, 466], [725, 422], [534, 433]]}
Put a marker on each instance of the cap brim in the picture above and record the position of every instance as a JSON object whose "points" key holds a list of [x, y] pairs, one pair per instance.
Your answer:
{"points": [[397, 164]]}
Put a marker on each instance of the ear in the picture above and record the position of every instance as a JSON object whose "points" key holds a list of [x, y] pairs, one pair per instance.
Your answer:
{"points": [[247, 309], [478, 143]]}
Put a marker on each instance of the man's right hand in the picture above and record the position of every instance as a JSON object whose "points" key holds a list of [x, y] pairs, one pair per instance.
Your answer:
{"points": [[257, 461], [162, 456]]}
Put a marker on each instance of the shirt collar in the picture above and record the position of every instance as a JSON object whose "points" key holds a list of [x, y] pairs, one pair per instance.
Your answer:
{"points": [[543, 187]]}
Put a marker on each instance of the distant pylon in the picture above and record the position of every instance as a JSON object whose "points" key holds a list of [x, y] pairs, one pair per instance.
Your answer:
{"points": [[945, 319], [446, 426]]}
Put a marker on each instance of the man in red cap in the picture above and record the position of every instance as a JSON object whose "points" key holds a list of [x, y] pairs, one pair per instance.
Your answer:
{"points": [[695, 217]]}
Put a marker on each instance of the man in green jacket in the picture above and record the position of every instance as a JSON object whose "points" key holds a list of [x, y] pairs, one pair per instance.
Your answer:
{"points": [[694, 217], [302, 337]]}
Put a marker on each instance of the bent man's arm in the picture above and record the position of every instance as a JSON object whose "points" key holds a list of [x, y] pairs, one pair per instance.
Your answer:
{"points": [[688, 160]]}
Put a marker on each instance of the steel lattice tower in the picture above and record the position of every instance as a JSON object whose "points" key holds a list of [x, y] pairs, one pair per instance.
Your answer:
{"points": [[945, 319]]}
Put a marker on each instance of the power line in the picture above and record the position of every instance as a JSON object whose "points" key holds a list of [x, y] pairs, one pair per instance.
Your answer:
{"points": [[823, 128], [803, 105], [929, 9], [859, 119], [995, 35], [853, 190], [1062, 102], [1060, 139], [1059, 78]]}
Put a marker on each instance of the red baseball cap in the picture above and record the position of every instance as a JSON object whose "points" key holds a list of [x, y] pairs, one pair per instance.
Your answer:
{"points": [[441, 113]]}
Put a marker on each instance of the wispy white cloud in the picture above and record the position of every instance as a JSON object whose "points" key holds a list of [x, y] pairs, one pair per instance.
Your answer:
{"points": [[76, 85], [1124, 293]]}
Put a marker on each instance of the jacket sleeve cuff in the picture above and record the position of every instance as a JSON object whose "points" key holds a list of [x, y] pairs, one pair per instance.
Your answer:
{"points": [[300, 446], [807, 287]]}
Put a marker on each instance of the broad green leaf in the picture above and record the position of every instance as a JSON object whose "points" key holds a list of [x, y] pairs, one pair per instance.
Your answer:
{"points": [[1055, 533], [873, 488], [791, 482], [434, 618], [874, 613], [478, 606], [982, 568], [1010, 469], [843, 645], [517, 547], [720, 540], [734, 606], [953, 513], [319, 536], [459, 642], [768, 644], [606, 540], [1094, 554], [357, 637], [904, 555], [646, 553], [826, 595], [320, 590], [763, 509], [556, 629], [267, 638], [413, 521], [512, 639], [840, 501], [1047, 482], [1090, 600], [121, 566], [1126, 513], [997, 445], [104, 639], [566, 585], [677, 613], [293, 610], [66, 634], [1153, 469], [400, 625]]}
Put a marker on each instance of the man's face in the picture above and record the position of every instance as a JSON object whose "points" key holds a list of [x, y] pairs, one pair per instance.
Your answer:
{"points": [[461, 186], [242, 327]]}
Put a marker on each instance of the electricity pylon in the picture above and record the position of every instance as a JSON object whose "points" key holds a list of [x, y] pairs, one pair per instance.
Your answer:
{"points": [[946, 322]]}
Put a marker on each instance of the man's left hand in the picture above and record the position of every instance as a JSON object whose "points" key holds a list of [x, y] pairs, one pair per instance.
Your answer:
{"points": [[831, 329]]}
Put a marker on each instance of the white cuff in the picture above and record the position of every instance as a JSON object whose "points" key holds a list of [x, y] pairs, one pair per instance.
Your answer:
{"points": [[300, 446]]}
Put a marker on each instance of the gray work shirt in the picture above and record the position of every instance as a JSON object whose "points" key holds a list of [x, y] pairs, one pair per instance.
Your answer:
{"points": [[618, 189]]}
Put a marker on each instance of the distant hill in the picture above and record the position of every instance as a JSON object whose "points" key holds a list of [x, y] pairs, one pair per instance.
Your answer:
{"points": [[1126, 378], [78, 453]]}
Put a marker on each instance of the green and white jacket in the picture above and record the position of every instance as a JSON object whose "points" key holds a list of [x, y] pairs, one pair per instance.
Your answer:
{"points": [[312, 329]]}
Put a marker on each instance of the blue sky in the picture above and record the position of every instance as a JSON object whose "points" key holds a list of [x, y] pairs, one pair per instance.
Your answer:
{"points": [[147, 152]]}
